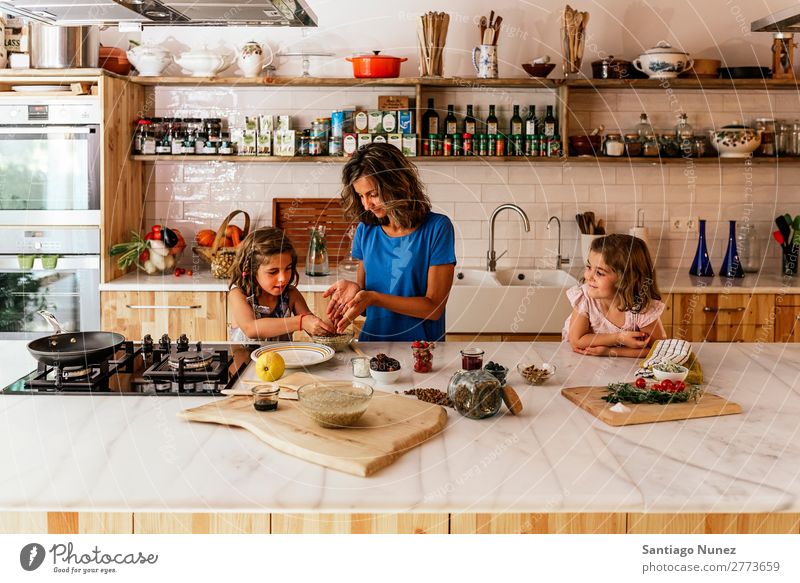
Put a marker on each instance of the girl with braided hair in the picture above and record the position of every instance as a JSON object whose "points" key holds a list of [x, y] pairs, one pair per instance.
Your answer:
{"points": [[264, 301]]}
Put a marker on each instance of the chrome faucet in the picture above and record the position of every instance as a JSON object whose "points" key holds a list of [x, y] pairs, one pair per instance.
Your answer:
{"points": [[559, 259], [491, 258]]}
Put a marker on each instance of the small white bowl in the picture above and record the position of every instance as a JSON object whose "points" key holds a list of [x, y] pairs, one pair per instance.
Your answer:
{"points": [[386, 377], [671, 376]]}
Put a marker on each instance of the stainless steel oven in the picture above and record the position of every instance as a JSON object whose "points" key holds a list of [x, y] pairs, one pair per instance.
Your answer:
{"points": [[49, 160], [52, 268]]}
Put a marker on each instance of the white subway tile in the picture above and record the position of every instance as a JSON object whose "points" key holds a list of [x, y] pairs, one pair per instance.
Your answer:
{"points": [[535, 174], [686, 174], [564, 193], [468, 230], [516, 193], [641, 174], [299, 189], [613, 193], [487, 173], [436, 173], [472, 211], [586, 174], [164, 211], [669, 194], [463, 193]]}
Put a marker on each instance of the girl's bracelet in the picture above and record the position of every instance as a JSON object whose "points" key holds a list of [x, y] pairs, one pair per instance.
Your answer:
{"points": [[301, 322]]}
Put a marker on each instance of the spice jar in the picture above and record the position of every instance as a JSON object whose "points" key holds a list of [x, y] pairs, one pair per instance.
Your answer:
{"points": [[699, 146], [476, 394], [614, 146], [669, 145], [467, 151], [471, 358], [650, 146], [423, 355], [767, 127], [633, 145], [360, 366], [483, 145]]}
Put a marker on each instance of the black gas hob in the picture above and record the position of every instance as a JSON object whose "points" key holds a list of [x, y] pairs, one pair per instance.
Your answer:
{"points": [[164, 369]]}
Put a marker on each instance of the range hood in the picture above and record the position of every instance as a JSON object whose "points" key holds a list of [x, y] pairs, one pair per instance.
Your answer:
{"points": [[787, 20], [165, 12]]}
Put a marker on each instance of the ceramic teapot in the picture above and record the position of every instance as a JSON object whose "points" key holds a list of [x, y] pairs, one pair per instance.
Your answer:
{"points": [[252, 60], [149, 60], [203, 62]]}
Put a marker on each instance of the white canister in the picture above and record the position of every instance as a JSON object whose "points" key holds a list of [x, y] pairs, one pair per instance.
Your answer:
{"points": [[640, 233], [586, 243], [484, 59]]}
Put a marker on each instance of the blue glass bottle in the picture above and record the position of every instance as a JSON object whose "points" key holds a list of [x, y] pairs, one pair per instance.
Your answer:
{"points": [[701, 266], [731, 265]]}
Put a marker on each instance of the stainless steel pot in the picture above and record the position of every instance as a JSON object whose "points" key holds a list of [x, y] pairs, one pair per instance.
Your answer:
{"points": [[62, 47]]}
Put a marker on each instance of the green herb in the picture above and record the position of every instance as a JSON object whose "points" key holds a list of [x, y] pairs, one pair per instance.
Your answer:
{"points": [[628, 393], [129, 252]]}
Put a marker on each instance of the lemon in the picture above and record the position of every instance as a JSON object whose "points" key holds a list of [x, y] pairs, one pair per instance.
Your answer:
{"points": [[270, 366]]}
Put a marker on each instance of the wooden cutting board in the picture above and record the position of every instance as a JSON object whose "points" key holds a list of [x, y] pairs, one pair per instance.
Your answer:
{"points": [[391, 426], [590, 399]]}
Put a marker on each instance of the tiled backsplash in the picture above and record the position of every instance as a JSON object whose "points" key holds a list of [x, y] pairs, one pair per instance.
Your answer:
{"points": [[199, 194]]}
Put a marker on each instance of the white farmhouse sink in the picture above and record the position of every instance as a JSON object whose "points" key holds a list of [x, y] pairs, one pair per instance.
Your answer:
{"points": [[503, 303]]}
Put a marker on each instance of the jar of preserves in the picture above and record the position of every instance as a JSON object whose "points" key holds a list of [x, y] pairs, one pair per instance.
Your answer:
{"points": [[669, 146], [554, 146], [614, 146], [334, 146], [213, 129], [447, 145], [303, 144], [633, 145], [650, 147], [225, 146], [476, 394], [320, 128], [500, 146], [314, 146], [422, 352]]}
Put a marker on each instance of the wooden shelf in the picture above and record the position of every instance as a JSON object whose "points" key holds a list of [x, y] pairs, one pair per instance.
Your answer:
{"points": [[688, 83]]}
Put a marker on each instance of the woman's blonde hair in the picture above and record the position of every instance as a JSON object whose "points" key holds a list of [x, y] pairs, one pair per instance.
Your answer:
{"points": [[396, 180], [630, 260], [256, 250]]}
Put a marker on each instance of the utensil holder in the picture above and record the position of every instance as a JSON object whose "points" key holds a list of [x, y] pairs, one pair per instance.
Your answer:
{"points": [[484, 59], [789, 260]]}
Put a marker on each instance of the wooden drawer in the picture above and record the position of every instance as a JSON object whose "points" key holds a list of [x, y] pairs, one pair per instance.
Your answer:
{"points": [[199, 315], [787, 323], [723, 317]]}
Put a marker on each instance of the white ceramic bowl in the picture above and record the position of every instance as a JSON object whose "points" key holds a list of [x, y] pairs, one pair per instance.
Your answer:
{"points": [[386, 377], [663, 62], [661, 375], [735, 141]]}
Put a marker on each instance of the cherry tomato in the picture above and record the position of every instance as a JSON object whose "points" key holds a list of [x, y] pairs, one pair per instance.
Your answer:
{"points": [[680, 386], [640, 383], [189, 272]]}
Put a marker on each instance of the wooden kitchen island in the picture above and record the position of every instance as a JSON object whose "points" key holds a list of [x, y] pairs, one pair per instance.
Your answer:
{"points": [[128, 464]]}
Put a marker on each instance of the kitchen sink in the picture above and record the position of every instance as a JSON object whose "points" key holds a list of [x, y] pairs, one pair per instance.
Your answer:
{"points": [[522, 301]]}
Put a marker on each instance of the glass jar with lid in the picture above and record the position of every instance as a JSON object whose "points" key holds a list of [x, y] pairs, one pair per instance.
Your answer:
{"points": [[644, 128], [748, 246], [303, 143], [476, 394], [140, 135], [669, 145], [614, 145], [193, 126], [633, 145], [793, 140], [178, 134], [767, 127], [213, 129], [700, 146], [225, 147], [650, 147]]}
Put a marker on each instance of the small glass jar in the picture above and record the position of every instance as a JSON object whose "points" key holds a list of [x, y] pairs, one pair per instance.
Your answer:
{"points": [[748, 246], [554, 146], [213, 130], [614, 146], [458, 147], [435, 145], [472, 358], [700, 147], [139, 134], [334, 146], [669, 145], [793, 148], [633, 145], [178, 137], [767, 127], [314, 146], [265, 397], [447, 145], [492, 145], [423, 355], [225, 146], [467, 141], [476, 394], [360, 366], [532, 145], [483, 145], [200, 143], [302, 144]]}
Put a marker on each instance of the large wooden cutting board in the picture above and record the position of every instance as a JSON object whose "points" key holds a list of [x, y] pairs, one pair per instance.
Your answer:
{"points": [[391, 426], [590, 399]]}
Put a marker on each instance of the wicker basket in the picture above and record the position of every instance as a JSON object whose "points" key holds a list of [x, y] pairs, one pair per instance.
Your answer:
{"points": [[221, 258]]}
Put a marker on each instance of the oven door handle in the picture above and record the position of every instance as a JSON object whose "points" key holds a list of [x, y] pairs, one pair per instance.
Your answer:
{"points": [[47, 130], [68, 263], [162, 307]]}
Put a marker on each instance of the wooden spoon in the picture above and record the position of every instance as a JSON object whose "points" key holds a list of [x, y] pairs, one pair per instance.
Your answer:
{"points": [[484, 26]]}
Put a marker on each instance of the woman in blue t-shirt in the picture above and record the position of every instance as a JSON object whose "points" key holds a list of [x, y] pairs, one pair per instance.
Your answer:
{"points": [[407, 252]]}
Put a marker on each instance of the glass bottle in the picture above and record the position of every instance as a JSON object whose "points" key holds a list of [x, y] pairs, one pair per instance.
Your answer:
{"points": [[317, 258], [470, 123], [476, 394], [749, 247], [550, 123], [731, 265], [491, 121], [430, 120], [644, 128], [684, 133], [531, 123], [450, 122], [701, 266], [515, 125]]}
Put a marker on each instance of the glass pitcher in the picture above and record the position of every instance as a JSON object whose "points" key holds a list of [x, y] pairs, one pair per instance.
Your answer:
{"points": [[317, 258]]}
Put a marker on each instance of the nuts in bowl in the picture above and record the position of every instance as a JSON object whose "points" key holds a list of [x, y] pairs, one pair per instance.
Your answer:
{"points": [[664, 371], [536, 374], [336, 341], [384, 369]]}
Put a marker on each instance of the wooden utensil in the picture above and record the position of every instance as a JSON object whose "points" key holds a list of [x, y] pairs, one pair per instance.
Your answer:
{"points": [[391, 426], [589, 215], [496, 35], [581, 223], [600, 228], [591, 399], [484, 25]]}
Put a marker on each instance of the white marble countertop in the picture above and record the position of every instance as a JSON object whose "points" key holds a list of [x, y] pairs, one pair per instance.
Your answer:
{"points": [[669, 281], [134, 454], [202, 280]]}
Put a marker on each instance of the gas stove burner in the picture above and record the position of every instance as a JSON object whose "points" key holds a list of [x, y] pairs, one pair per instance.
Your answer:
{"points": [[192, 360]]}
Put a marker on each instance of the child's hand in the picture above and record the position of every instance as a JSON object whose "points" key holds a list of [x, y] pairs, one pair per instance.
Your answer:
{"points": [[593, 350], [316, 326], [633, 339]]}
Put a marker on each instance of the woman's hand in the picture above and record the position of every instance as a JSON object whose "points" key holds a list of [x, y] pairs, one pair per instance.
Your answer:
{"points": [[340, 293], [316, 326], [353, 309], [633, 339]]}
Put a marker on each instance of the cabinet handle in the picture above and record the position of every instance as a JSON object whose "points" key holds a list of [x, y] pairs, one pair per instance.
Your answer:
{"points": [[708, 309], [144, 307]]}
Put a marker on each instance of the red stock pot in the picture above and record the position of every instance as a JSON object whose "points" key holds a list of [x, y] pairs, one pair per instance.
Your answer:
{"points": [[376, 66]]}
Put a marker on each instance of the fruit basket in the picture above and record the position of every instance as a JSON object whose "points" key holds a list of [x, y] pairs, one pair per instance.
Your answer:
{"points": [[219, 249]]}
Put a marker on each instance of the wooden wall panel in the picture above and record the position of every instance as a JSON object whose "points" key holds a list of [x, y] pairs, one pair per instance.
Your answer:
{"points": [[538, 523], [23, 522], [359, 523], [105, 523], [666, 523], [122, 193]]}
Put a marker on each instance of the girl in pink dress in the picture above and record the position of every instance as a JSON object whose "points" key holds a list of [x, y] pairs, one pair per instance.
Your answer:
{"points": [[616, 311]]}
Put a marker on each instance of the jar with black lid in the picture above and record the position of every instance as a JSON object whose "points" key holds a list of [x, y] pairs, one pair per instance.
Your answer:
{"points": [[213, 129], [633, 145]]}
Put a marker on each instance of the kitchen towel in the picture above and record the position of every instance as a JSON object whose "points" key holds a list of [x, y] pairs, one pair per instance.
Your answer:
{"points": [[675, 351]]}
